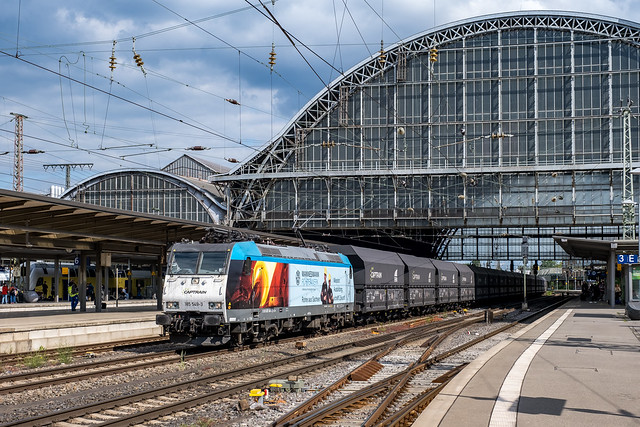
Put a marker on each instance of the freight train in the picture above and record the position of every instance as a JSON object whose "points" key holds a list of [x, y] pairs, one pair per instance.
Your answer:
{"points": [[216, 293]]}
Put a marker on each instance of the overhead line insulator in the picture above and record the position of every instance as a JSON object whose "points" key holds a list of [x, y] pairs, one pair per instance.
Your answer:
{"points": [[433, 54], [138, 59], [112, 59], [382, 57], [272, 56]]}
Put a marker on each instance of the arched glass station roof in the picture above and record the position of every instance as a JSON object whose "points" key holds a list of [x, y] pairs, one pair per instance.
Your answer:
{"points": [[150, 191], [514, 130]]}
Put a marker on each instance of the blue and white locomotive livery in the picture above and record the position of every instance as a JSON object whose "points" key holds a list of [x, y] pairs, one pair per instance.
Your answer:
{"points": [[240, 292], [243, 291]]}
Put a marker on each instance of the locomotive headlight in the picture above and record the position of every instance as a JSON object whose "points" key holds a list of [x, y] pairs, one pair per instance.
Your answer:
{"points": [[215, 305], [172, 304]]}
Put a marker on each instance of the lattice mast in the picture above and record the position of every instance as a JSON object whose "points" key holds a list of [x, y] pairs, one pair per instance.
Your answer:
{"points": [[17, 153], [628, 205]]}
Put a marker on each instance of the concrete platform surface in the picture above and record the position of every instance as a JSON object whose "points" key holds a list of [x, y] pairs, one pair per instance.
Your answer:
{"points": [[44, 307], [27, 327], [577, 366]]}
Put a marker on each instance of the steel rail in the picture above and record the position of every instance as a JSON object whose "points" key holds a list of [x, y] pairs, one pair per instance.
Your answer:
{"points": [[95, 348], [97, 406], [400, 380], [408, 413], [94, 407], [368, 368]]}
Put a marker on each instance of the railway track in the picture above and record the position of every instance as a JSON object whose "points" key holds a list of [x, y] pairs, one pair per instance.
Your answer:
{"points": [[79, 372], [160, 401], [386, 400], [80, 350], [156, 402], [65, 374]]}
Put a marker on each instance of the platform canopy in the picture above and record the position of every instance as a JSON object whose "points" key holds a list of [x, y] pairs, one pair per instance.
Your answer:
{"points": [[39, 227], [594, 248]]}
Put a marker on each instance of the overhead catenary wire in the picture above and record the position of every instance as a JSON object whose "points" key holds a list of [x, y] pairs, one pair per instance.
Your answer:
{"points": [[18, 29], [274, 20], [112, 66], [138, 60], [87, 150], [338, 50], [286, 33], [239, 72], [190, 86], [198, 21], [134, 103]]}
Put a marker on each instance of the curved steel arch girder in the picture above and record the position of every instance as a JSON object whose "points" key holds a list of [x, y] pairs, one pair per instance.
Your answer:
{"points": [[247, 192]]}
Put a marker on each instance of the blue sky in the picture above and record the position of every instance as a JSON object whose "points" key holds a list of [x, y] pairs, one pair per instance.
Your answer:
{"points": [[54, 69]]}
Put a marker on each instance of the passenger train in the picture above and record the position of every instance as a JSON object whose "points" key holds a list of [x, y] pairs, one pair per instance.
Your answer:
{"points": [[240, 292]]}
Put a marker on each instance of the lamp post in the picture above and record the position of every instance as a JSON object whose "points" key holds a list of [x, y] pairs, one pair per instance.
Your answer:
{"points": [[525, 253]]}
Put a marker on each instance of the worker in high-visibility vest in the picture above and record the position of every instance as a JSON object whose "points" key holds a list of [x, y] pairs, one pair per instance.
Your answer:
{"points": [[73, 295]]}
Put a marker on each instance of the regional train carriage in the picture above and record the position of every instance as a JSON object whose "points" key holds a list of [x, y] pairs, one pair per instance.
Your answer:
{"points": [[214, 293]]}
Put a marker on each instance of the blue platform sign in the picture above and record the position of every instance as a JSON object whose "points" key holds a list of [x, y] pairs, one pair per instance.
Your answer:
{"points": [[627, 259]]}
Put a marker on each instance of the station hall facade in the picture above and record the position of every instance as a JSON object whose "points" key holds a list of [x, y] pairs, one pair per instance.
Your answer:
{"points": [[454, 143]]}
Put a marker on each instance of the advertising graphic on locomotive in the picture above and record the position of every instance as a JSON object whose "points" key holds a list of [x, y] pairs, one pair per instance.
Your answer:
{"points": [[240, 292]]}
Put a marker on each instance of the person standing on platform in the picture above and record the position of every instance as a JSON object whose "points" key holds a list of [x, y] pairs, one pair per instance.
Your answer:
{"points": [[90, 295], [73, 295], [5, 292]]}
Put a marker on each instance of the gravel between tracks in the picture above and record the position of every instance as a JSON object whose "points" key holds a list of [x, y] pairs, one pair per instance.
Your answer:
{"points": [[224, 412], [227, 413]]}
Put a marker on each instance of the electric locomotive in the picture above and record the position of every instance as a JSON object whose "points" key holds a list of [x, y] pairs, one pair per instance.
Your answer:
{"points": [[243, 291]]}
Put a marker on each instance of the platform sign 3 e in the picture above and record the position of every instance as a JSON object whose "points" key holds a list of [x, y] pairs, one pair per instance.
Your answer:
{"points": [[627, 259]]}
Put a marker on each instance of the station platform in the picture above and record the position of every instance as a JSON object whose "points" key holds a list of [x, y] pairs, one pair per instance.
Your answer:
{"points": [[26, 327], [579, 365]]}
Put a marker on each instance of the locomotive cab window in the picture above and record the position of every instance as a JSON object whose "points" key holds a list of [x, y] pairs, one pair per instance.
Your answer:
{"points": [[183, 263], [213, 263]]}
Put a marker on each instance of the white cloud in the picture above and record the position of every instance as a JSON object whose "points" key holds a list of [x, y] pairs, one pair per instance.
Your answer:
{"points": [[93, 28]]}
